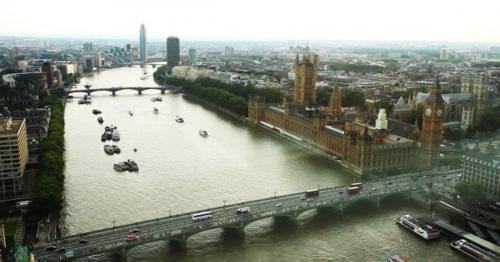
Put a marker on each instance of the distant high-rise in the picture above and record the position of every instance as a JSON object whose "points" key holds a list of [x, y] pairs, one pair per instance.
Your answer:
{"points": [[173, 53], [49, 71], [444, 54], [192, 56], [229, 51], [142, 40], [87, 46]]}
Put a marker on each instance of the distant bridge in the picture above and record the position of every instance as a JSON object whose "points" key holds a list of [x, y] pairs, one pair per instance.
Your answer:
{"points": [[178, 228], [113, 90]]}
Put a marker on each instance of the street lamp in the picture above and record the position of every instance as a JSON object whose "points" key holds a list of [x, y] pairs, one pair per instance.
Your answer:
{"points": [[114, 222], [224, 203], [169, 213], [274, 194]]}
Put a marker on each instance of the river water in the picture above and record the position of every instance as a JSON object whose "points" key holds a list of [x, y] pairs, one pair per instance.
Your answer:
{"points": [[180, 172]]}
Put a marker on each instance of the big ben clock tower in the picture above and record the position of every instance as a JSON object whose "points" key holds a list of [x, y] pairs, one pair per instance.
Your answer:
{"points": [[432, 128]]}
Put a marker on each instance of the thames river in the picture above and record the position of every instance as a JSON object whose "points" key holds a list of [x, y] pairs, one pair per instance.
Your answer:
{"points": [[180, 171]]}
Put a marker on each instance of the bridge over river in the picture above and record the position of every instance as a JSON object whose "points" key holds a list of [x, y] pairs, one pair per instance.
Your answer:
{"points": [[113, 90], [178, 228]]}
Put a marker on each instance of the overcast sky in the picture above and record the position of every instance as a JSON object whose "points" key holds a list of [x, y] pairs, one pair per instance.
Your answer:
{"points": [[420, 20]]}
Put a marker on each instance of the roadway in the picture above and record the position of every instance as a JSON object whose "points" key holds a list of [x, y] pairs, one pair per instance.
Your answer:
{"points": [[182, 225]]}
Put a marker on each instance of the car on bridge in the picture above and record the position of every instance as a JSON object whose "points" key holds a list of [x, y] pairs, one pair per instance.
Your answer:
{"points": [[50, 248], [243, 210], [133, 234]]}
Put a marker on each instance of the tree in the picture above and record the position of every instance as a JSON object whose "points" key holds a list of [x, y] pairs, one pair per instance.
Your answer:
{"points": [[471, 192], [388, 106], [353, 98]]}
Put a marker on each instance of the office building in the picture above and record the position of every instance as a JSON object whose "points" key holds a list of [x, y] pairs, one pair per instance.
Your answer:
{"points": [[143, 44], [173, 53], [192, 56], [444, 54], [483, 169], [49, 72], [87, 46], [229, 51], [14, 156]]}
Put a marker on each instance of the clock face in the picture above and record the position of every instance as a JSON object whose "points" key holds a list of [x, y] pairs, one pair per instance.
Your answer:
{"points": [[439, 112], [428, 112]]}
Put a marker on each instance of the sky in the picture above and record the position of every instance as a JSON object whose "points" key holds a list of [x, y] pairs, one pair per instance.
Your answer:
{"points": [[376, 20]]}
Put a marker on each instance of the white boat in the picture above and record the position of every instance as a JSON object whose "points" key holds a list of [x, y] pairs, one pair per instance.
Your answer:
{"points": [[156, 99], [122, 166], [203, 133], [416, 226], [109, 149], [179, 119], [116, 136], [473, 251]]}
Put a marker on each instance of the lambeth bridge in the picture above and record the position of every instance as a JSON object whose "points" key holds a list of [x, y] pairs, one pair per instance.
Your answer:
{"points": [[177, 229], [113, 90]]}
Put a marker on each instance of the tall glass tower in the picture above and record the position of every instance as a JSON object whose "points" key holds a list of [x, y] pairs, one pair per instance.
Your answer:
{"points": [[142, 40]]}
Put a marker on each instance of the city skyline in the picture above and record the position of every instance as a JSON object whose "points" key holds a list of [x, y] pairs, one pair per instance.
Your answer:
{"points": [[381, 21]]}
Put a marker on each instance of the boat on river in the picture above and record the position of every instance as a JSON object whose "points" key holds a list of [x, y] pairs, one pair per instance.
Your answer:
{"points": [[203, 133], [96, 112], [109, 149], [418, 227], [155, 110], [100, 120], [129, 165], [473, 251], [179, 119], [397, 258], [130, 113], [115, 136]]}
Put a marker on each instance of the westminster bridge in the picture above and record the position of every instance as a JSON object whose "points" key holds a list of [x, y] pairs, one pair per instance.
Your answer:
{"points": [[178, 228]]}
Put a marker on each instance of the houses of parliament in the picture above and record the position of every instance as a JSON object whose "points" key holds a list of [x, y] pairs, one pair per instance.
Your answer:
{"points": [[359, 141]]}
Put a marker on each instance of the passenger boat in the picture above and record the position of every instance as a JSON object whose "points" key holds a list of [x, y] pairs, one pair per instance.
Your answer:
{"points": [[203, 133], [473, 251], [122, 166], [129, 165], [179, 119], [397, 258], [116, 149], [155, 110], [156, 99], [107, 128], [109, 149], [416, 226], [115, 136], [100, 120], [132, 165]]}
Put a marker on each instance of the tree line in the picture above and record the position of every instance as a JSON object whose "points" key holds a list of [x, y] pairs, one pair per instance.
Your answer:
{"points": [[230, 96], [49, 183]]}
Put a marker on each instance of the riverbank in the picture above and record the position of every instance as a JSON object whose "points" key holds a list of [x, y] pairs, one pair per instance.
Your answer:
{"points": [[49, 184]]}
